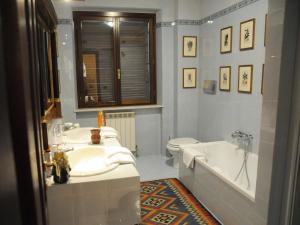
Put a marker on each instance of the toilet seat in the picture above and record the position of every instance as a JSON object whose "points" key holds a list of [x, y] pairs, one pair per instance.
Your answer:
{"points": [[173, 147], [181, 141]]}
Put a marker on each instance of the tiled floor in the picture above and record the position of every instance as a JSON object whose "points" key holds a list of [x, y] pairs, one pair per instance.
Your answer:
{"points": [[153, 167]]}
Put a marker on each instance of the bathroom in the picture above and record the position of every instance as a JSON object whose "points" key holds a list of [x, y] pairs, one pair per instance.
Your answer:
{"points": [[162, 112]]}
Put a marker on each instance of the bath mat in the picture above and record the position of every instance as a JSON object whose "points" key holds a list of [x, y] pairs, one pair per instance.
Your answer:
{"points": [[168, 202]]}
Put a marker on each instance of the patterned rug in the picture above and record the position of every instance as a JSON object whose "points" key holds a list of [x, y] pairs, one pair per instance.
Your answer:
{"points": [[168, 202]]}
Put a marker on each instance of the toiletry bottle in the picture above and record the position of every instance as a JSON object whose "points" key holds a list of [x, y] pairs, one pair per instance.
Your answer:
{"points": [[61, 168], [100, 119]]}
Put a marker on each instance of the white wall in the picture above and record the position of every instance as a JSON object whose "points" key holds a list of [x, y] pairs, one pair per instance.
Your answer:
{"points": [[225, 112], [165, 8], [182, 108], [186, 100], [208, 7], [151, 124], [187, 9]]}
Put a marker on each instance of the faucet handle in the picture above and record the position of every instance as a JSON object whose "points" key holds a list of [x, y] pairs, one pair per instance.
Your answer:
{"points": [[236, 134], [250, 136]]}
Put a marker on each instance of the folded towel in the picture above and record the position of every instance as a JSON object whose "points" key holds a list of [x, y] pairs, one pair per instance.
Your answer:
{"points": [[109, 129], [119, 154], [189, 155], [112, 150], [109, 132], [121, 158]]}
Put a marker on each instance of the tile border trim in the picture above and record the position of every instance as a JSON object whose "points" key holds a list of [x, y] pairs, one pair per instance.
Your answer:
{"points": [[216, 15]]}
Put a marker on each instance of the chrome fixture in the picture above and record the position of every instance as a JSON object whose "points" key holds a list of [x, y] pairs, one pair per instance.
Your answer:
{"points": [[244, 141]]}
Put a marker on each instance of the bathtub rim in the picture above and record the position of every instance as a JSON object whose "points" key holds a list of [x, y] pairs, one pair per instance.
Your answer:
{"points": [[202, 162], [225, 180]]}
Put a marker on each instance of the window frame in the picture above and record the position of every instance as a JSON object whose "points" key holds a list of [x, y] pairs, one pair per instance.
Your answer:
{"points": [[79, 16]]}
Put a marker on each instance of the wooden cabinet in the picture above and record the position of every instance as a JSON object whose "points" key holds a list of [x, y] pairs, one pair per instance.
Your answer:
{"points": [[47, 61]]}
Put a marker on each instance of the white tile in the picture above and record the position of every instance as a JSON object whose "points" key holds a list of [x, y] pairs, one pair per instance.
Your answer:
{"points": [[154, 167]]}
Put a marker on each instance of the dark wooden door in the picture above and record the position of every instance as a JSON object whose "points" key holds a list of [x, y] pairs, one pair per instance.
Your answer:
{"points": [[22, 187]]}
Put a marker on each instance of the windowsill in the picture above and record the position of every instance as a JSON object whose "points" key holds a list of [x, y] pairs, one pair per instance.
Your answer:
{"points": [[117, 108]]}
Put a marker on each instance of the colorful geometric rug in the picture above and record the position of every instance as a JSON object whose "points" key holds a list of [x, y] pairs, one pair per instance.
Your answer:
{"points": [[168, 202]]}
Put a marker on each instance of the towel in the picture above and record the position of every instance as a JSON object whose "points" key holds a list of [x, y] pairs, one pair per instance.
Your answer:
{"points": [[189, 155], [109, 132], [105, 128], [121, 159], [120, 155]]}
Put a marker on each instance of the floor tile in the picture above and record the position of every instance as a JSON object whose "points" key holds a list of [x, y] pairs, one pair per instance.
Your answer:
{"points": [[153, 167]]}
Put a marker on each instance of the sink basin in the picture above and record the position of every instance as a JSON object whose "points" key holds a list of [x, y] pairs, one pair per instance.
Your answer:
{"points": [[82, 135], [79, 135], [89, 161]]}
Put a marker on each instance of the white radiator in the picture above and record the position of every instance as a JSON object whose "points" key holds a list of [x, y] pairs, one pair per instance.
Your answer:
{"points": [[124, 123]]}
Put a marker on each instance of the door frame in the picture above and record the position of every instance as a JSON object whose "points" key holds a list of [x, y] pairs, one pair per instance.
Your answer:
{"points": [[285, 168], [19, 73]]}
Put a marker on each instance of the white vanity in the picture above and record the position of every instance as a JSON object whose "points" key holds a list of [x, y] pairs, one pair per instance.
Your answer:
{"points": [[97, 193]]}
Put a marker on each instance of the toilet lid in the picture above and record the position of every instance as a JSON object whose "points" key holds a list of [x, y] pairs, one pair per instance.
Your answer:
{"points": [[182, 141]]}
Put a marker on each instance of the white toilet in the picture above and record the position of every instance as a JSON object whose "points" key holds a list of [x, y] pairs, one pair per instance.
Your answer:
{"points": [[173, 148]]}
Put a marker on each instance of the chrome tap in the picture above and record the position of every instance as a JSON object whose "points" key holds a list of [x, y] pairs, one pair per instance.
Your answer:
{"points": [[242, 138], [237, 134]]}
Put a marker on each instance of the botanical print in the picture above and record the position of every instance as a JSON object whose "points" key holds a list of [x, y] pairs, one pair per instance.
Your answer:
{"points": [[189, 46], [245, 78], [189, 77], [225, 78], [247, 34], [226, 40]]}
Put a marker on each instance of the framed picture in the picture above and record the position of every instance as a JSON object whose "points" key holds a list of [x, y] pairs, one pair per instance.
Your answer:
{"points": [[245, 79], [226, 40], [225, 78], [262, 79], [189, 78], [189, 46], [247, 34]]}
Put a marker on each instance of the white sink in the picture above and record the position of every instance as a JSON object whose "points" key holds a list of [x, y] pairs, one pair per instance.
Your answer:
{"points": [[78, 135], [82, 135], [89, 161]]}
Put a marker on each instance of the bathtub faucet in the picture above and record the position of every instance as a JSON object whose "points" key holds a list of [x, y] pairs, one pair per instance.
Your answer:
{"points": [[237, 134], [242, 138]]}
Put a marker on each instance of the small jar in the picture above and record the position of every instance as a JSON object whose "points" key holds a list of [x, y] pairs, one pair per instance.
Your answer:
{"points": [[95, 137]]}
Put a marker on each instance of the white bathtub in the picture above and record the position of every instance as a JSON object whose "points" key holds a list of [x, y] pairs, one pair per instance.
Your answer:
{"points": [[224, 160]]}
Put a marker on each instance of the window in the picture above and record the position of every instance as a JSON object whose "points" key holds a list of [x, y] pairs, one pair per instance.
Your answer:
{"points": [[115, 59]]}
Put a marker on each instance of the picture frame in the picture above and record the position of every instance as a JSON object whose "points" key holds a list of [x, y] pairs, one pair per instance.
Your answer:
{"points": [[226, 40], [247, 34], [225, 78], [262, 79], [189, 77], [189, 48], [245, 79]]}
